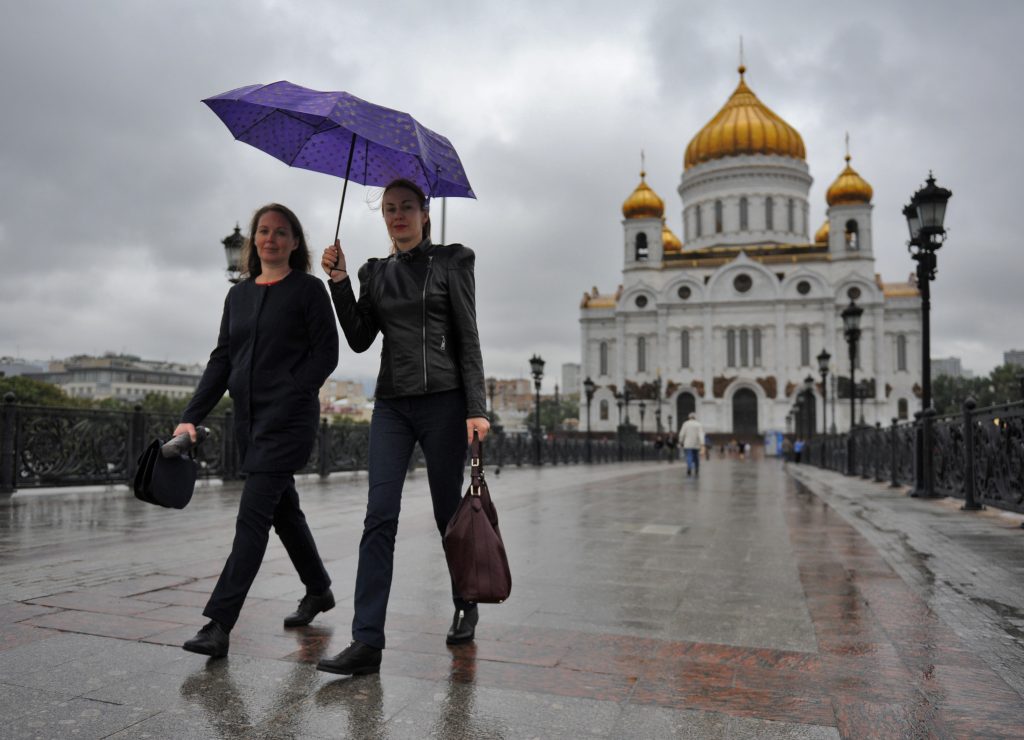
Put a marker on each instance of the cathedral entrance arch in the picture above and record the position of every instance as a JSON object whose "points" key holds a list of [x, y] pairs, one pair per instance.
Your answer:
{"points": [[744, 413], [686, 404]]}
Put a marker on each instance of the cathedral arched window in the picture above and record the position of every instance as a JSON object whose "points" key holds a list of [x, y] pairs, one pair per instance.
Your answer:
{"points": [[769, 213], [698, 224], [641, 355], [901, 351], [757, 347], [684, 349], [718, 217], [902, 408], [603, 358], [790, 215], [730, 348], [603, 410], [744, 350], [641, 247], [743, 213], [805, 346], [852, 241]]}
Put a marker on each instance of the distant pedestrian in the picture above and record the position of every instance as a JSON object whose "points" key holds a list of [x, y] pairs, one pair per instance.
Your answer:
{"points": [[691, 437], [430, 390], [798, 449], [277, 345], [787, 449], [747, 451]]}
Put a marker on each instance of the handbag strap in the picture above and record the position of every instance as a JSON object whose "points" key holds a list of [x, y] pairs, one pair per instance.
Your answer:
{"points": [[476, 464]]}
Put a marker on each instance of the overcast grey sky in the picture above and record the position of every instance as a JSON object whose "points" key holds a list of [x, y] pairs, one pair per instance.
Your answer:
{"points": [[118, 184]]}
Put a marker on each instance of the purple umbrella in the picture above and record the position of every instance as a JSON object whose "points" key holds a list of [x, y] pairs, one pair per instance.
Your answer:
{"points": [[340, 134]]}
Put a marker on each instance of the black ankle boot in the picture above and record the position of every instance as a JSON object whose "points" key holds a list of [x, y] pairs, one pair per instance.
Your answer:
{"points": [[355, 660], [212, 640], [463, 626]]}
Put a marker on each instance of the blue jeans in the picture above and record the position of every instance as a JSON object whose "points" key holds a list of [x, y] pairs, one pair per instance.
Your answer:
{"points": [[438, 422], [692, 460]]}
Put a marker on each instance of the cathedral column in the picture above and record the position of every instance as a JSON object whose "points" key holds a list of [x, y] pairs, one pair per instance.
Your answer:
{"points": [[620, 352], [664, 341]]}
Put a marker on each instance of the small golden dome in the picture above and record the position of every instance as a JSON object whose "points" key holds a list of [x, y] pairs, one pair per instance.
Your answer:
{"points": [[744, 125], [669, 242], [849, 188], [643, 202], [821, 235]]}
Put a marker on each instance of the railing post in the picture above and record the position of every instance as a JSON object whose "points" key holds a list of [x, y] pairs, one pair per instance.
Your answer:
{"points": [[136, 443], [879, 447], [894, 480], [969, 474], [324, 463], [8, 429]]}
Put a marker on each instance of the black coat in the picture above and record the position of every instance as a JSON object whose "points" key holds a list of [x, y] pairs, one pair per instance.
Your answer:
{"points": [[423, 301], [277, 345]]}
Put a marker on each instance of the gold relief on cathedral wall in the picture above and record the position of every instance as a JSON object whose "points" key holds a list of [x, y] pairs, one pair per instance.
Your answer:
{"points": [[720, 383], [769, 385]]}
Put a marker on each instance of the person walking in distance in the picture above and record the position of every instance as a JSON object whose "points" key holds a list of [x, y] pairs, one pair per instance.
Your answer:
{"points": [[691, 437], [277, 345], [430, 390]]}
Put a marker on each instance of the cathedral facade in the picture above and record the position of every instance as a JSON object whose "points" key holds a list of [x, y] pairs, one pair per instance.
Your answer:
{"points": [[729, 321]]}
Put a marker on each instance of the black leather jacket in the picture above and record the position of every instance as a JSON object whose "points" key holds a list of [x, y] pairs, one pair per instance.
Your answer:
{"points": [[423, 302]]}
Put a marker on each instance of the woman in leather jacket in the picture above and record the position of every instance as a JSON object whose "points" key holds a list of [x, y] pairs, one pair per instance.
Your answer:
{"points": [[430, 390]]}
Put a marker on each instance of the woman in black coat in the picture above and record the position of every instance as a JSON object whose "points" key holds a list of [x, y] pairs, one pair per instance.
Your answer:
{"points": [[277, 345], [430, 390]]}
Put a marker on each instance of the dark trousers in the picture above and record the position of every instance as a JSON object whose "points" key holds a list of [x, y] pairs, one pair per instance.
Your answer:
{"points": [[268, 499], [438, 422]]}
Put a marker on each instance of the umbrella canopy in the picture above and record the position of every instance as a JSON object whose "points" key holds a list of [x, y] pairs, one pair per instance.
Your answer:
{"points": [[339, 134]]}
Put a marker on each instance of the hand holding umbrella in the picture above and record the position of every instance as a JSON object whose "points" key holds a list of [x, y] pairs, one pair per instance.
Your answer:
{"points": [[333, 262]]}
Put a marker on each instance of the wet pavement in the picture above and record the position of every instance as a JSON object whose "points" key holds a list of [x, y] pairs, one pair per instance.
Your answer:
{"points": [[755, 602]]}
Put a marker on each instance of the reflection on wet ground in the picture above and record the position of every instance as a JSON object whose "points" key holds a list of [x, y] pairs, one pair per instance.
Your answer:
{"points": [[645, 604]]}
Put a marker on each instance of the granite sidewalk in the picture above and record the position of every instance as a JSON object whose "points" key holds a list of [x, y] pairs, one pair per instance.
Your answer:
{"points": [[758, 601]]}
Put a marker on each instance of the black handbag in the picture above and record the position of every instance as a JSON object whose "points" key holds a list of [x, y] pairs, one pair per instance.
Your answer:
{"points": [[166, 472], [472, 541]]}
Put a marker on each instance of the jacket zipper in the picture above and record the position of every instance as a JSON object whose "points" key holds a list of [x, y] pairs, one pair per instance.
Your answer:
{"points": [[430, 262]]}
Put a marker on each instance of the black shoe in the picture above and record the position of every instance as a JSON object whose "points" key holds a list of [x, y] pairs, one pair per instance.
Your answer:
{"points": [[356, 660], [463, 626], [210, 640], [309, 607]]}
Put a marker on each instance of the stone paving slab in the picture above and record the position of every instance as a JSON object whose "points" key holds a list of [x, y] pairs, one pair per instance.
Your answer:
{"points": [[757, 601]]}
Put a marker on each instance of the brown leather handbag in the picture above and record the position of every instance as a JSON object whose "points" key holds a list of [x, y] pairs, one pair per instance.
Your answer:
{"points": [[472, 541]]}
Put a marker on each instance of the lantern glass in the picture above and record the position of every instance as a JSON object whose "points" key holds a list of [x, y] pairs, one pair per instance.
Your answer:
{"points": [[537, 366], [851, 317], [823, 360]]}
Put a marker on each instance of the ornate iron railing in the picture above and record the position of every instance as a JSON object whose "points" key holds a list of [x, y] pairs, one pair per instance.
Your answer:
{"points": [[977, 455], [43, 446]]}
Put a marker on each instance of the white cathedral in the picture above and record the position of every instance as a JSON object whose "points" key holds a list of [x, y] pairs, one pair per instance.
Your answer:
{"points": [[729, 322]]}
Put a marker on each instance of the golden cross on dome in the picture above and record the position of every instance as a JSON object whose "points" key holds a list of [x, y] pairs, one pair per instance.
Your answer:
{"points": [[743, 67], [847, 146], [643, 166]]}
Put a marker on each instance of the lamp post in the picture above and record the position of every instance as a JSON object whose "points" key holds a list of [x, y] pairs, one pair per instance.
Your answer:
{"points": [[925, 216], [851, 330], [643, 409], [823, 360], [625, 400], [809, 429], [492, 386], [588, 391], [537, 369], [233, 244]]}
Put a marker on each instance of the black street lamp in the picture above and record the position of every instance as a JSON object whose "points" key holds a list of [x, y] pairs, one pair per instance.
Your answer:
{"points": [[925, 216], [823, 360], [233, 244], [537, 368], [625, 400], [643, 409], [851, 330], [588, 390], [809, 408]]}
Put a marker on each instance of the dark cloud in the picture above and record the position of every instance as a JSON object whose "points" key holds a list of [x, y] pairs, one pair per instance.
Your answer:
{"points": [[118, 184]]}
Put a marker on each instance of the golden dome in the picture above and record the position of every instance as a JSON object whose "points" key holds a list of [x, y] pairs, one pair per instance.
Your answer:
{"points": [[821, 235], [849, 188], [643, 202], [744, 125], [669, 242]]}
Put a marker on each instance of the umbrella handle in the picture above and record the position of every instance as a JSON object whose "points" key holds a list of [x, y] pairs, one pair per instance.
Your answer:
{"points": [[344, 189]]}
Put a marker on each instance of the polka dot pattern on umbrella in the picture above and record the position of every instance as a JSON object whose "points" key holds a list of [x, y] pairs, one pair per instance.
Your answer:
{"points": [[317, 130]]}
